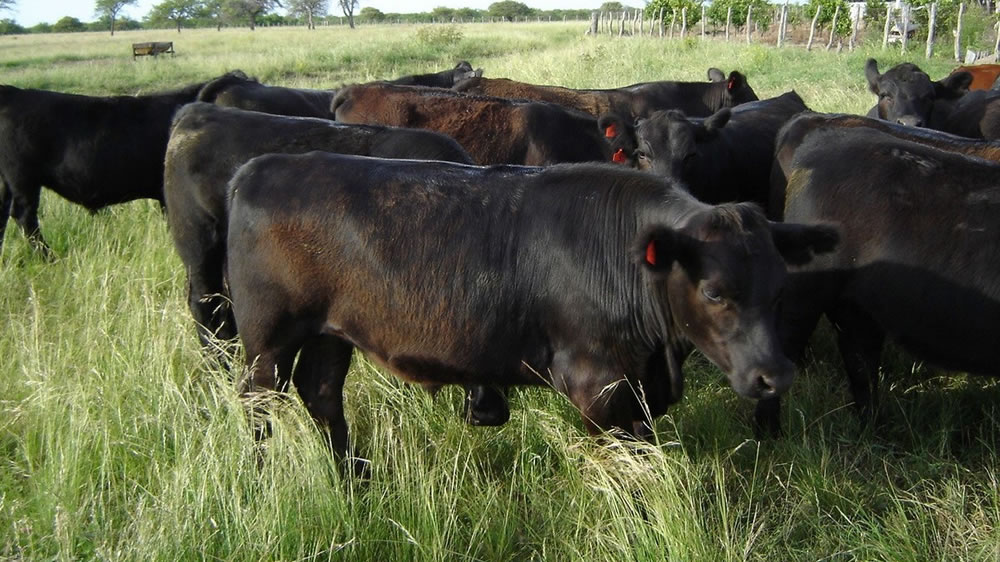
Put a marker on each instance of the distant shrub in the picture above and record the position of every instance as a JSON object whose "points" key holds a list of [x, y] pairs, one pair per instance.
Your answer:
{"points": [[10, 27], [439, 35]]}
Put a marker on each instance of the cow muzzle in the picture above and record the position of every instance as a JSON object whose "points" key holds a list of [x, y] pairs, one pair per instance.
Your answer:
{"points": [[766, 382]]}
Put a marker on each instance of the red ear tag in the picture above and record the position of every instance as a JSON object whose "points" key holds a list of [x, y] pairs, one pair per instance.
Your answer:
{"points": [[618, 157], [731, 84], [651, 253], [610, 132]]}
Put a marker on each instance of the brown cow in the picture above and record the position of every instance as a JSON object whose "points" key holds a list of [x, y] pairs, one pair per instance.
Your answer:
{"points": [[492, 130], [696, 99], [983, 75]]}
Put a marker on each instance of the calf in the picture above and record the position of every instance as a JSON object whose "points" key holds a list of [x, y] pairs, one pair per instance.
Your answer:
{"points": [[207, 145], [587, 278], [93, 151], [917, 259], [637, 100], [444, 79], [906, 95], [725, 157], [493, 130]]}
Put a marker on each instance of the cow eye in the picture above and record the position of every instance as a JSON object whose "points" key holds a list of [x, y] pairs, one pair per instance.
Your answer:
{"points": [[713, 294]]}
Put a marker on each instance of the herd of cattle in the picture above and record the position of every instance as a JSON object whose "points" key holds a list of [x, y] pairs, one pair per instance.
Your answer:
{"points": [[486, 232]]}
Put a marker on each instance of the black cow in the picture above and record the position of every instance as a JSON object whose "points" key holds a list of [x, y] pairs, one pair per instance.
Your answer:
{"points": [[236, 89], [637, 100], [588, 278], [725, 157], [208, 143], [917, 260], [93, 151], [790, 137], [907, 96]]}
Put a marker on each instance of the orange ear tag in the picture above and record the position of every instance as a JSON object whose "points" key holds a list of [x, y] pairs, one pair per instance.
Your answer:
{"points": [[610, 132], [618, 157], [651, 253]]}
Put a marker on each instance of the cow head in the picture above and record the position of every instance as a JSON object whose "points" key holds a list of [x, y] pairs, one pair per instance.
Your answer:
{"points": [[463, 71], [721, 276], [906, 95], [619, 134], [667, 143], [738, 89]]}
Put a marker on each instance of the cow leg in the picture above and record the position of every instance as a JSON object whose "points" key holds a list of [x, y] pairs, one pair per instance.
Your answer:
{"points": [[207, 298], [486, 406], [319, 377], [860, 340], [604, 400], [5, 202], [24, 208]]}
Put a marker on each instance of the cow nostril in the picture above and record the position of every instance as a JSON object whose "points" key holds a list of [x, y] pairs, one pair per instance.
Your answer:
{"points": [[764, 385]]}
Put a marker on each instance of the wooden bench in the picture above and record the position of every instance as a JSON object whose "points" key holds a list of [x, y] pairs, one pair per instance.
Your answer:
{"points": [[154, 48]]}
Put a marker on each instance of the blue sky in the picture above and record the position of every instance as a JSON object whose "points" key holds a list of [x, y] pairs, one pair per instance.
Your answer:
{"points": [[30, 12]]}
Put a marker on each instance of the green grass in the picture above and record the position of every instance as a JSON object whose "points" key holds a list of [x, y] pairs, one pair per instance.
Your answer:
{"points": [[117, 441]]}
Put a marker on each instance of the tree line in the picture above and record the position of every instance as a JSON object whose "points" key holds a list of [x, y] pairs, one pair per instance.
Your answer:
{"points": [[187, 14]]}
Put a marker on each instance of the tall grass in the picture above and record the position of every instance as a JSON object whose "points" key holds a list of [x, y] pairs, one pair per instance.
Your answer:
{"points": [[117, 441]]}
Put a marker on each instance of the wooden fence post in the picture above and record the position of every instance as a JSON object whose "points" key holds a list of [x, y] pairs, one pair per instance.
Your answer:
{"points": [[885, 32], [812, 28], [996, 46], [833, 27], [703, 22], [621, 24], [642, 20], [684, 21], [749, 22], [593, 23], [906, 28], [958, 33], [661, 21], [781, 25], [854, 31], [931, 21], [729, 19], [673, 20]]}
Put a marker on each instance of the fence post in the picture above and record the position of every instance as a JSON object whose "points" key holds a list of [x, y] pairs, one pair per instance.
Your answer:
{"points": [[958, 33], [642, 20], [729, 19], [673, 20], [621, 25], [661, 21], [812, 28], [906, 28], [833, 27], [749, 22], [781, 25], [854, 30], [684, 22], [885, 32], [996, 46], [931, 21], [593, 24]]}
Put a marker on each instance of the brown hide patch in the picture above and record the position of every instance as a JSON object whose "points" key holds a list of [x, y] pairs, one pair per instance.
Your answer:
{"points": [[594, 103]]}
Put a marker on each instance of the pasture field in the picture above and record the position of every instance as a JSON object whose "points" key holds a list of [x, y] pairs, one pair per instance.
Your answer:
{"points": [[117, 441]]}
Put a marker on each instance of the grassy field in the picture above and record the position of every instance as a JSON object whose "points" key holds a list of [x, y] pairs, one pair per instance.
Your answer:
{"points": [[118, 442]]}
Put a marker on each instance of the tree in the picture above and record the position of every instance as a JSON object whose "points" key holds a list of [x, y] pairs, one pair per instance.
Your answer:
{"points": [[693, 10], [309, 9], [371, 15], [348, 7], [8, 5], [10, 27], [826, 15], [442, 13], [761, 13], [249, 10], [110, 9], [68, 24], [213, 11], [507, 10], [176, 12], [874, 14], [611, 7]]}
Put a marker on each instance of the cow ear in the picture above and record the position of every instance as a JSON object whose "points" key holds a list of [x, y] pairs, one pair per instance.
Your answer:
{"points": [[797, 243], [717, 121], [872, 75], [715, 75], [656, 249], [478, 73], [620, 136], [953, 86], [736, 82]]}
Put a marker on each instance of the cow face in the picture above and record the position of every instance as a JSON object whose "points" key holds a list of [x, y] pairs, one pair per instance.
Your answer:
{"points": [[906, 95], [722, 275], [667, 143], [739, 89]]}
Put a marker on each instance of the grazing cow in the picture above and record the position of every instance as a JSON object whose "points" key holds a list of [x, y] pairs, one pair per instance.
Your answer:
{"points": [[235, 89], [699, 99], [917, 260], [93, 151], [984, 76], [725, 157], [798, 128], [493, 130], [208, 143], [588, 278]]}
